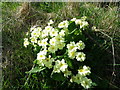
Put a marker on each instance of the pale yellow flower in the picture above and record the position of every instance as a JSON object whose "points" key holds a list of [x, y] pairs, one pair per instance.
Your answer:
{"points": [[63, 24], [50, 22], [48, 28], [53, 32], [52, 41], [59, 39], [80, 56], [26, 42], [41, 56], [44, 42], [60, 65], [77, 78], [84, 71], [52, 48], [73, 19], [33, 40], [48, 62], [80, 45], [86, 83], [72, 46], [61, 46], [67, 73], [78, 21], [72, 54], [44, 33], [62, 33]]}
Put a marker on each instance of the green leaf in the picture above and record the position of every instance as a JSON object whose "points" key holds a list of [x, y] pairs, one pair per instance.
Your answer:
{"points": [[58, 77], [71, 27], [35, 70], [69, 62], [35, 61]]}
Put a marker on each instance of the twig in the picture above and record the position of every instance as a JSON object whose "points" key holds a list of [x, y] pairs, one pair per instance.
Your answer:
{"points": [[113, 52]]}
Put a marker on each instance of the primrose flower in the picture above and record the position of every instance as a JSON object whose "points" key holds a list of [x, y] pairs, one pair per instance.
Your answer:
{"points": [[39, 29], [35, 33], [39, 42], [40, 62], [48, 28], [63, 24], [94, 28], [61, 65], [77, 78], [72, 46], [78, 21], [43, 42], [84, 18], [62, 33], [56, 69], [73, 19], [41, 55], [72, 54], [67, 73], [86, 83], [84, 71], [61, 45], [72, 79], [52, 41], [83, 24], [27, 33], [48, 62], [33, 40], [80, 45], [44, 51], [44, 33], [59, 39], [52, 48], [32, 28], [80, 56], [53, 32], [26, 42], [50, 22]]}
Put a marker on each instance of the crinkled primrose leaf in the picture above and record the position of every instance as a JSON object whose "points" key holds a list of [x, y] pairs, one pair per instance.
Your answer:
{"points": [[36, 69]]}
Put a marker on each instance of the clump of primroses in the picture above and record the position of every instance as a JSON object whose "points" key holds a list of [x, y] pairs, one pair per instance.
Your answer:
{"points": [[52, 40]]}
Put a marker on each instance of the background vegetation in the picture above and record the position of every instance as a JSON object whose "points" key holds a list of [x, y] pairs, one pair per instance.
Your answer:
{"points": [[17, 18]]}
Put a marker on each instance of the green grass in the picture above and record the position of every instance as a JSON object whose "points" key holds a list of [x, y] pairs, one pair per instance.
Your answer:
{"points": [[17, 59]]}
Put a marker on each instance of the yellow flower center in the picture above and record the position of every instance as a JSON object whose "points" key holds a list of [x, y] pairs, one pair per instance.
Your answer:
{"points": [[81, 70], [61, 64], [71, 47], [47, 59], [41, 56]]}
